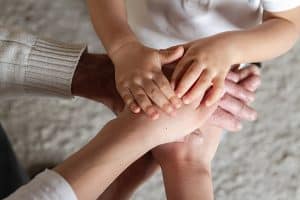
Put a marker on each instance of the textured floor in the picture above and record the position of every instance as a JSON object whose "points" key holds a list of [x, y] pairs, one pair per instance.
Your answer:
{"points": [[261, 162]]}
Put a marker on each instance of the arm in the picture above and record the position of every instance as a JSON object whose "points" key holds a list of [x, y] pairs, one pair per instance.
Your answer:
{"points": [[210, 59], [31, 65], [110, 22], [138, 75], [186, 165], [275, 36]]}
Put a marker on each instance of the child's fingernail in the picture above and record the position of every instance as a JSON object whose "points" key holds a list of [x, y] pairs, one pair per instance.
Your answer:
{"points": [[168, 108], [176, 102], [178, 94], [186, 101], [153, 113], [135, 109]]}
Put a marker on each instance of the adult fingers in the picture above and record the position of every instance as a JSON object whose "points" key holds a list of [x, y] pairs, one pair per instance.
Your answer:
{"points": [[225, 120], [251, 83], [239, 92], [248, 71], [238, 108], [233, 76]]}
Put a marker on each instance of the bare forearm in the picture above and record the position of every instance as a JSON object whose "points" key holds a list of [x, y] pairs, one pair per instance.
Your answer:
{"points": [[110, 22], [267, 41], [188, 182], [91, 170]]}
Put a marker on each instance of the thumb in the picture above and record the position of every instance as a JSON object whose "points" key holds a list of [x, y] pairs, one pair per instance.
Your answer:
{"points": [[171, 54]]}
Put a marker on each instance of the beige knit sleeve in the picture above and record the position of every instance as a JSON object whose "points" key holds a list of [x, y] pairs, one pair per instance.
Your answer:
{"points": [[30, 65]]}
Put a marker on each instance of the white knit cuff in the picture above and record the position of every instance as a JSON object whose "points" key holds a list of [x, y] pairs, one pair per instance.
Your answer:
{"points": [[51, 67], [47, 185]]}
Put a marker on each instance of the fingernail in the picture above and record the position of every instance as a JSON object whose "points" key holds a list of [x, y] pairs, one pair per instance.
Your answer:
{"points": [[155, 117], [178, 94], [168, 108], [176, 102], [135, 109], [153, 113], [186, 100], [208, 103]]}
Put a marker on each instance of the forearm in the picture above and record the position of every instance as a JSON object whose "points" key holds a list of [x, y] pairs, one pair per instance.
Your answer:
{"points": [[110, 22], [267, 41], [91, 170], [185, 182]]}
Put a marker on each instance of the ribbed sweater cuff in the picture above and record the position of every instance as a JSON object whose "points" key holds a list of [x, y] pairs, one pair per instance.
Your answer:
{"points": [[51, 67]]}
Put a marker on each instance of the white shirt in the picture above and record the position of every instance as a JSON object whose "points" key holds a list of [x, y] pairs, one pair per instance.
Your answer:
{"points": [[165, 23]]}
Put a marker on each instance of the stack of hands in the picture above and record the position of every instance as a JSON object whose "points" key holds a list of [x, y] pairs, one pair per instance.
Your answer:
{"points": [[179, 151]]}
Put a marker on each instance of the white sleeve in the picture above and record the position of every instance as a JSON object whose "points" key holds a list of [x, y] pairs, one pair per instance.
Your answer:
{"points": [[48, 185], [279, 5], [31, 65]]}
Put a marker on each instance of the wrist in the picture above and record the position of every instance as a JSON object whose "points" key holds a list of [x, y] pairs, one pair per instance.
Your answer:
{"points": [[183, 166], [230, 45], [120, 43]]}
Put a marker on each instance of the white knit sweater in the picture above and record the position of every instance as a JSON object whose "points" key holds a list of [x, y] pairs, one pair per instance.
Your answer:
{"points": [[32, 65]]}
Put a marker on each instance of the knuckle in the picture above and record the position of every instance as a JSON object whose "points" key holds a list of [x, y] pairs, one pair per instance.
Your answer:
{"points": [[141, 97]]}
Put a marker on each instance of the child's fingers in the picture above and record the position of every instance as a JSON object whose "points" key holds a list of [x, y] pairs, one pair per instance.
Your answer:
{"points": [[189, 78], [158, 97], [179, 71], [216, 92], [198, 90], [144, 102], [129, 100], [164, 85]]}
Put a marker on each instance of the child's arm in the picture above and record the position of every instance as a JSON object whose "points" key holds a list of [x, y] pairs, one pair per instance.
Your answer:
{"points": [[138, 74], [209, 60], [110, 22]]}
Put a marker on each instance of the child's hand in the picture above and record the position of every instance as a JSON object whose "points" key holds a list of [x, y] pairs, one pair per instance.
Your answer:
{"points": [[205, 63], [140, 81]]}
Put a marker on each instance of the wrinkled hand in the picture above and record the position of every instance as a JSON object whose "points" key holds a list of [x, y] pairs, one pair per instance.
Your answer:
{"points": [[140, 81], [234, 107], [205, 65]]}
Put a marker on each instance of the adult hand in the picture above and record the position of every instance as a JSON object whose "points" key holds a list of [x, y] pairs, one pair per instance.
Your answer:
{"points": [[240, 92]]}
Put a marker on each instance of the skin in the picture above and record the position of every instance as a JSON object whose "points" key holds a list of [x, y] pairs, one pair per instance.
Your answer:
{"points": [[125, 139], [186, 165], [203, 67], [138, 83], [99, 70]]}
